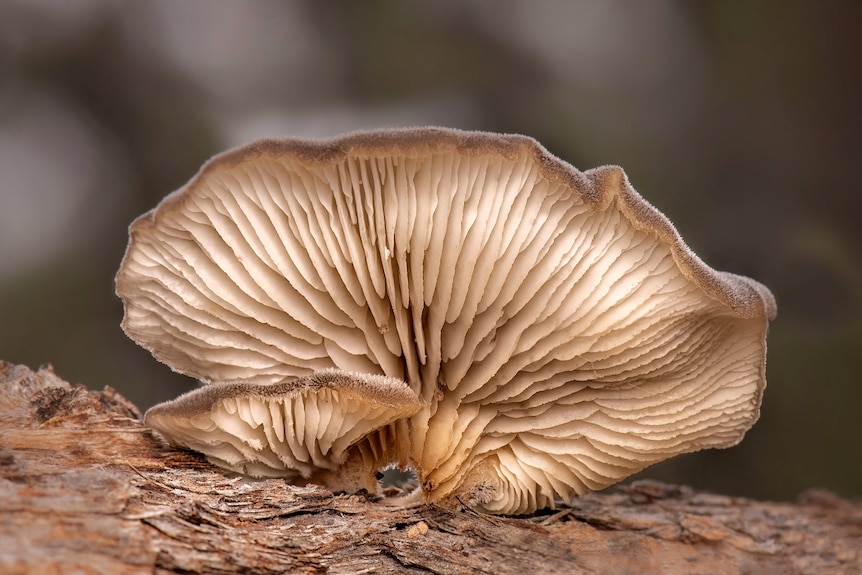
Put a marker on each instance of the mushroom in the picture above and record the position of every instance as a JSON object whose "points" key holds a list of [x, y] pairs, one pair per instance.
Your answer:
{"points": [[296, 429], [556, 332]]}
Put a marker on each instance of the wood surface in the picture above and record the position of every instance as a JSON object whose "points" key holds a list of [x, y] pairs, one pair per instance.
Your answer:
{"points": [[86, 488]]}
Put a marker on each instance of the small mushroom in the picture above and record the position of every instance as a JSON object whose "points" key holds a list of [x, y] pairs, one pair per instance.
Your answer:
{"points": [[303, 428], [555, 330]]}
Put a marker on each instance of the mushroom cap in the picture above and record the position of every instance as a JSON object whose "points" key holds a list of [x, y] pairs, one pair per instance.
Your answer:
{"points": [[289, 429], [559, 333]]}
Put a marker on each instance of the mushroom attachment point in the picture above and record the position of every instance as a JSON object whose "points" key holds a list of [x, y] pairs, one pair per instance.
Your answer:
{"points": [[536, 331]]}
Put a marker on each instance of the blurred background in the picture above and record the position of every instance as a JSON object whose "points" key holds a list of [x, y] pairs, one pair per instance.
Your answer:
{"points": [[740, 120]]}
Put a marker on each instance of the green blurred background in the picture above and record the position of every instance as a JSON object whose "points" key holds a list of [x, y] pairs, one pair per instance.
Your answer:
{"points": [[740, 120]]}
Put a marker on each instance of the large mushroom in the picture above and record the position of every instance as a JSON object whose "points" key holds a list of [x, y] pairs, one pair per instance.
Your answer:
{"points": [[557, 333]]}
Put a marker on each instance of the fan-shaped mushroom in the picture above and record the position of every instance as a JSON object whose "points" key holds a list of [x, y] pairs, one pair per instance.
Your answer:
{"points": [[556, 330], [303, 428]]}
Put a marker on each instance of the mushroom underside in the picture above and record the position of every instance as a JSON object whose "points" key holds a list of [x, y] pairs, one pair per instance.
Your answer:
{"points": [[553, 331], [297, 429]]}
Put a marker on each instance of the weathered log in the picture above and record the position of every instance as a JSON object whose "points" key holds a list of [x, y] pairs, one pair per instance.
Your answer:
{"points": [[86, 488]]}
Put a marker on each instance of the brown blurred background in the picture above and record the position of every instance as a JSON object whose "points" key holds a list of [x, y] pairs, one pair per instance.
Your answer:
{"points": [[740, 120]]}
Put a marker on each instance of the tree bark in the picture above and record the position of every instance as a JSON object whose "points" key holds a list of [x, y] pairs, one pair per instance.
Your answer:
{"points": [[86, 488]]}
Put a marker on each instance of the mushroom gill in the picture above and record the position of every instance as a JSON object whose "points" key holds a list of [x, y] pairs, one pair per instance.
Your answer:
{"points": [[556, 330]]}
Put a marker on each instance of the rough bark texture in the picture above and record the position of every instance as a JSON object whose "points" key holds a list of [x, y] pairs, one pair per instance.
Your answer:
{"points": [[86, 488]]}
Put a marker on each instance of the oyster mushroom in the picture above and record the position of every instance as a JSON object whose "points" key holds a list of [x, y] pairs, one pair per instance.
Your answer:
{"points": [[299, 429], [553, 326]]}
